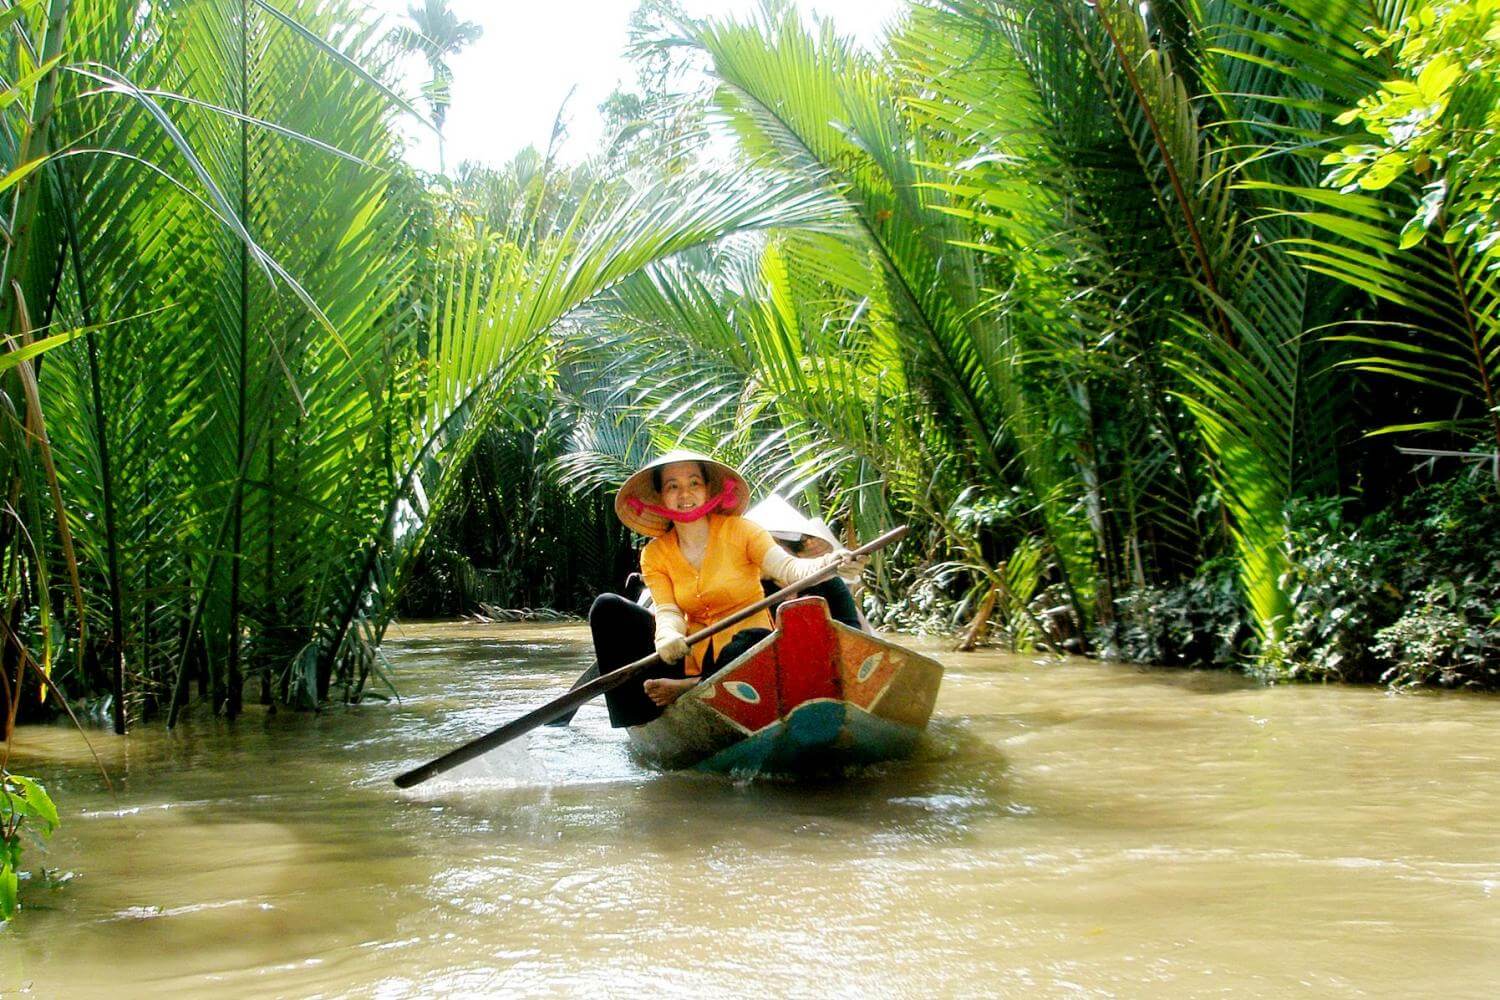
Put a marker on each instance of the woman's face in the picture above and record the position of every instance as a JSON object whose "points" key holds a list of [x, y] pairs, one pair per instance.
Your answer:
{"points": [[683, 486]]}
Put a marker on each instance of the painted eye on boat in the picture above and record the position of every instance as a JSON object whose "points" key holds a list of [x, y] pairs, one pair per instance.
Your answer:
{"points": [[742, 691]]}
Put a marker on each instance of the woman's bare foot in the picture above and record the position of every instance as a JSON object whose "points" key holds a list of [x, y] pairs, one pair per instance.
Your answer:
{"points": [[665, 690]]}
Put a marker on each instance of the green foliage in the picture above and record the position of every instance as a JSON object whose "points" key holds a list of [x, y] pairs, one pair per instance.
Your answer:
{"points": [[1344, 590], [1400, 596], [1405, 596], [27, 813], [305, 343], [514, 536], [1437, 122], [1201, 622], [1079, 321], [436, 33], [1424, 88], [655, 127], [1441, 640]]}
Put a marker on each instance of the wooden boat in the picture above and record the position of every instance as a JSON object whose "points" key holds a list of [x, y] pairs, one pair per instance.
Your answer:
{"points": [[814, 695]]}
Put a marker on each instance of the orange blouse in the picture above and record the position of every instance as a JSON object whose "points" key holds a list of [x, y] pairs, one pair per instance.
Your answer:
{"points": [[728, 581]]}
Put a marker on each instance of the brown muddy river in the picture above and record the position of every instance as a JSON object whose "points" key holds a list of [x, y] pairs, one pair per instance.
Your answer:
{"points": [[1070, 829]]}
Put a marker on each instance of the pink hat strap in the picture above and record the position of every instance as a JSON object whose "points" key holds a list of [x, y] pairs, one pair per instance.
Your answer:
{"points": [[726, 500]]}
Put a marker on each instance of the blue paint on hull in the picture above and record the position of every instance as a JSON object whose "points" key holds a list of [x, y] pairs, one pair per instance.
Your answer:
{"points": [[818, 736]]}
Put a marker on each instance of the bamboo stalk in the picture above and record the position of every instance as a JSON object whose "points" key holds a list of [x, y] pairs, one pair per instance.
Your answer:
{"points": [[271, 599], [234, 678], [101, 438]]}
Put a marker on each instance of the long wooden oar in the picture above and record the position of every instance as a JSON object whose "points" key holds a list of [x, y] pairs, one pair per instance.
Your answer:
{"points": [[604, 682]]}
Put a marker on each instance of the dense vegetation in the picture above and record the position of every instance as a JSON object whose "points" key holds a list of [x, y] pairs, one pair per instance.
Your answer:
{"points": [[1155, 322], [1170, 328]]}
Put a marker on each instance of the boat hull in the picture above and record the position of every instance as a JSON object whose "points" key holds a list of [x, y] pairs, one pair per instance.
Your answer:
{"points": [[813, 696]]}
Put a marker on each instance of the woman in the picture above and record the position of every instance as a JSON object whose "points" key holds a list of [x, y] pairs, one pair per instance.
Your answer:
{"points": [[704, 562]]}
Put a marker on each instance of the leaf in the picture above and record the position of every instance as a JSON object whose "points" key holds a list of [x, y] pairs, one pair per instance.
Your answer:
{"points": [[8, 887], [15, 12], [39, 802], [352, 65], [1412, 233], [10, 359], [1437, 77], [16, 90], [1386, 168], [20, 173]]}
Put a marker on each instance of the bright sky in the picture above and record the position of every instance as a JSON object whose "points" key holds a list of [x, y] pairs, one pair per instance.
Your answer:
{"points": [[508, 86]]}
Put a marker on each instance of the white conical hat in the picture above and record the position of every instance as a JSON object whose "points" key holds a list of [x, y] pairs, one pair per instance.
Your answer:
{"points": [[783, 520], [820, 529]]}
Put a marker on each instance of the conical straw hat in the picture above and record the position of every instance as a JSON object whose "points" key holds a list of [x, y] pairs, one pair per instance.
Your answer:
{"points": [[639, 486], [783, 520]]}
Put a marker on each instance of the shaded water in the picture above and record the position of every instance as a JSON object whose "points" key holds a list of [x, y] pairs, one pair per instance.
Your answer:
{"points": [[1069, 829]]}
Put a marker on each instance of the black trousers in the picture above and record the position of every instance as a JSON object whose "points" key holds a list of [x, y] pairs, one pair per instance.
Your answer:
{"points": [[625, 632]]}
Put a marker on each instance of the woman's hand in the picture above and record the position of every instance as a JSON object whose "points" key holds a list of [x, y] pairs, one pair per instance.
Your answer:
{"points": [[857, 560], [672, 647], [844, 559]]}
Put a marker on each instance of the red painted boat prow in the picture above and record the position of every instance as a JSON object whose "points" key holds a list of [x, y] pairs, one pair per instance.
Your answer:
{"points": [[813, 696]]}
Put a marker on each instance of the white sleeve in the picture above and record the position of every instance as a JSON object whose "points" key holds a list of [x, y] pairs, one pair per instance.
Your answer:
{"points": [[669, 621], [785, 568]]}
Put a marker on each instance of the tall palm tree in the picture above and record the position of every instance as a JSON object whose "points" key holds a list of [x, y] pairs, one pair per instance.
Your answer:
{"points": [[436, 34]]}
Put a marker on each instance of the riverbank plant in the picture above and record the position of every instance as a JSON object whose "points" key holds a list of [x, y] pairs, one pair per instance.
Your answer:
{"points": [[1405, 596], [1200, 622], [1408, 596], [27, 815]]}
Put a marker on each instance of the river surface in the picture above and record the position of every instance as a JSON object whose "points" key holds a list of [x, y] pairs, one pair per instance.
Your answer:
{"points": [[1069, 829]]}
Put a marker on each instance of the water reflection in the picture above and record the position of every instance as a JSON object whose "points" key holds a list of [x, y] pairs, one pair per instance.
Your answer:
{"points": [[1065, 829]]}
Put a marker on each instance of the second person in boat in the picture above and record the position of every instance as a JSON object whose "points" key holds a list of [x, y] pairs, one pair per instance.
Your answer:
{"points": [[704, 562]]}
